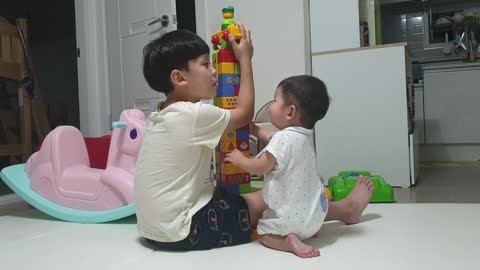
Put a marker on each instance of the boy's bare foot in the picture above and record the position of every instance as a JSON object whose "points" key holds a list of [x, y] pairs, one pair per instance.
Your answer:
{"points": [[358, 199], [299, 248]]}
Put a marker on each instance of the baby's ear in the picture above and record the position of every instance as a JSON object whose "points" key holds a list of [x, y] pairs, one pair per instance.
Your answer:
{"points": [[292, 111], [177, 78]]}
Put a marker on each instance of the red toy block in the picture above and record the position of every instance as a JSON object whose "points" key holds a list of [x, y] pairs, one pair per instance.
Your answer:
{"points": [[243, 146], [235, 179], [226, 56]]}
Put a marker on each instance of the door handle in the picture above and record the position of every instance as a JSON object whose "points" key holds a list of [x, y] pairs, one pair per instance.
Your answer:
{"points": [[164, 20]]}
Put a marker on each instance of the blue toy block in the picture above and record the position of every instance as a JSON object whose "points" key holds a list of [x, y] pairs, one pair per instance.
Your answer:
{"points": [[234, 189], [228, 79], [222, 188], [226, 91], [243, 135]]}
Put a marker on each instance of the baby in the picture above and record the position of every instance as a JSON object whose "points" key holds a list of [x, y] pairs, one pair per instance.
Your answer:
{"points": [[294, 195]]}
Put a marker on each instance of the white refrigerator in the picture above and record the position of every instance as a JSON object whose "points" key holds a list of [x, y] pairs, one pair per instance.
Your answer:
{"points": [[368, 126]]}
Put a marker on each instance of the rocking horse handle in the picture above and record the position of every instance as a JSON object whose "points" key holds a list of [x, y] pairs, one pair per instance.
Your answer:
{"points": [[119, 124]]}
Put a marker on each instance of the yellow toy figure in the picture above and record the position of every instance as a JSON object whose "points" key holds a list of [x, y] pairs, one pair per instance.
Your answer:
{"points": [[328, 194], [229, 177]]}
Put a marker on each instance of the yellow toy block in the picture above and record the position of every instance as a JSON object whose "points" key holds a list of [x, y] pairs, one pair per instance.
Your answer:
{"points": [[228, 141], [235, 31], [230, 135], [226, 68], [227, 102], [229, 168], [227, 146]]}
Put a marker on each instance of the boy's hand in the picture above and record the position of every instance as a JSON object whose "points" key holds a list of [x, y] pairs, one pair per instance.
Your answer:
{"points": [[244, 49], [234, 157]]}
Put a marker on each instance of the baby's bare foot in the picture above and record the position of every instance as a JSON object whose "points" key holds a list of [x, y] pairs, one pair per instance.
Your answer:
{"points": [[299, 248], [358, 199]]}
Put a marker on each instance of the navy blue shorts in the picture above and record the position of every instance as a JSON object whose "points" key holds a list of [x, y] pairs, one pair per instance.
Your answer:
{"points": [[224, 221]]}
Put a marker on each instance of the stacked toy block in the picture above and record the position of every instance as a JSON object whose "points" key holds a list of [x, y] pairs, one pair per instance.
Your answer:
{"points": [[229, 177]]}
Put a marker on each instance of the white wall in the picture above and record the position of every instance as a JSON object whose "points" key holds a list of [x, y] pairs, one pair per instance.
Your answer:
{"points": [[93, 87], [334, 25], [281, 37], [280, 32], [367, 14]]}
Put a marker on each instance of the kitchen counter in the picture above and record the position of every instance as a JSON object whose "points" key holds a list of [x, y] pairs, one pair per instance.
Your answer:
{"points": [[451, 65], [401, 44]]}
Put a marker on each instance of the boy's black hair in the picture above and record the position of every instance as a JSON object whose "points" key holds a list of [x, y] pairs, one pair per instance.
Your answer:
{"points": [[171, 51], [310, 96]]}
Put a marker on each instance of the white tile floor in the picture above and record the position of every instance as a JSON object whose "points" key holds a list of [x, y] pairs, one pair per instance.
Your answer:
{"points": [[443, 185], [391, 236]]}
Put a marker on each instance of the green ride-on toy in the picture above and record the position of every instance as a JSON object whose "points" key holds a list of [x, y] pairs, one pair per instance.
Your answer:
{"points": [[343, 184]]}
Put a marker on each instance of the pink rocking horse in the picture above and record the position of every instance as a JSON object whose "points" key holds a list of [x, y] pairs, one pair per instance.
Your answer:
{"points": [[61, 170]]}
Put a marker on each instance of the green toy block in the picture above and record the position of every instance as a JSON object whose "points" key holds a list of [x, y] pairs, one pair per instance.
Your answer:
{"points": [[226, 23], [245, 188], [216, 101], [342, 185], [225, 44], [215, 57], [229, 9], [237, 68]]}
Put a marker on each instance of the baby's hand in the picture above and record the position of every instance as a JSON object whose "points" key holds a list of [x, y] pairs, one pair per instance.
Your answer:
{"points": [[244, 49], [234, 157], [253, 129]]}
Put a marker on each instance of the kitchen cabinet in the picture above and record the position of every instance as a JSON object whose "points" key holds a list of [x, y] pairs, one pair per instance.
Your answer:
{"points": [[452, 103], [334, 25]]}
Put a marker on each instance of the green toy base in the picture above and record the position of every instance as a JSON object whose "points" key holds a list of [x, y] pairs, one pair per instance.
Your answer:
{"points": [[343, 184]]}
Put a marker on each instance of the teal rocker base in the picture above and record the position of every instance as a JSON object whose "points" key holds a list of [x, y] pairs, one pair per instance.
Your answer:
{"points": [[343, 184], [16, 178]]}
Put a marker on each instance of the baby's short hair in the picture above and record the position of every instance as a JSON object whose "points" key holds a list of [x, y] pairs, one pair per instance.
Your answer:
{"points": [[309, 94], [171, 51]]}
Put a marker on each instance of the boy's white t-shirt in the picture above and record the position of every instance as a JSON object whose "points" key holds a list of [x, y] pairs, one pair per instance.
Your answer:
{"points": [[293, 190], [172, 177]]}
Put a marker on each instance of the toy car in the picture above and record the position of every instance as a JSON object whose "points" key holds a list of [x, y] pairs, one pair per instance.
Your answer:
{"points": [[343, 184]]}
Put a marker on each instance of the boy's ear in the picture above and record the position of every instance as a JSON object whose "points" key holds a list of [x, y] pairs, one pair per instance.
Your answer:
{"points": [[177, 78]]}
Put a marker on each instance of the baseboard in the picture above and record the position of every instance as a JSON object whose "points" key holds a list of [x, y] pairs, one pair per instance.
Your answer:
{"points": [[450, 164], [450, 153]]}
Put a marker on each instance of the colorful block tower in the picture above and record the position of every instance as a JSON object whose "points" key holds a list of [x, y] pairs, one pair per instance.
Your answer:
{"points": [[229, 177]]}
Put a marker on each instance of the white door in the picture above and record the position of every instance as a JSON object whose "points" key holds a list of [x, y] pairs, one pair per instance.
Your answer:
{"points": [[130, 26]]}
